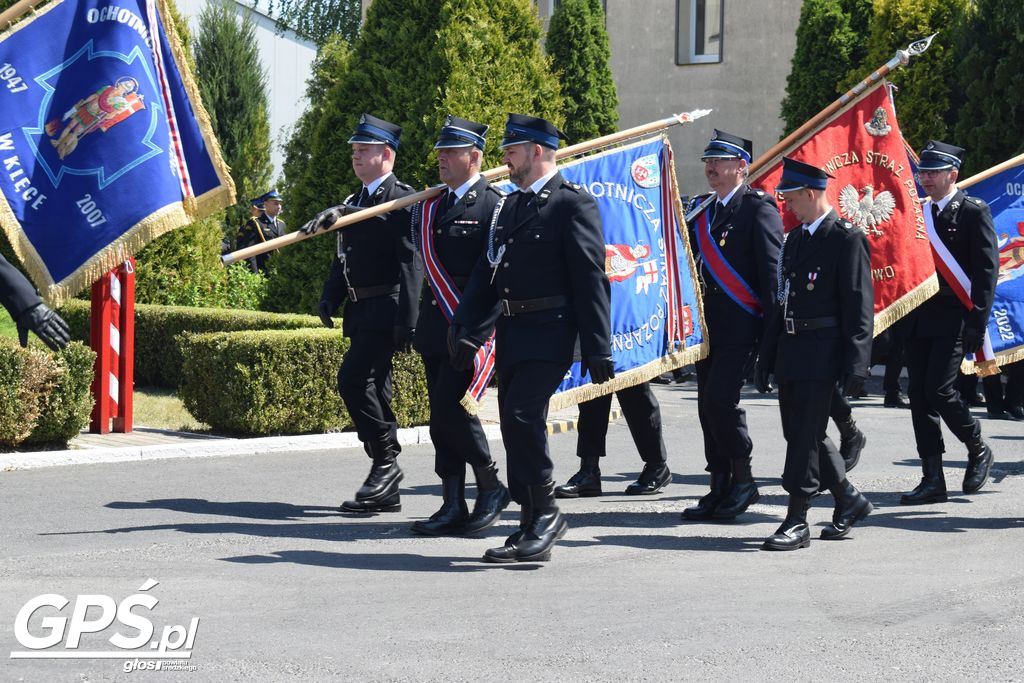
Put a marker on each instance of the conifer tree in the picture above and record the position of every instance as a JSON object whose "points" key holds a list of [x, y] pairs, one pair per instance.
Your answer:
{"points": [[232, 83], [578, 45], [830, 43], [925, 98], [413, 62], [990, 119]]}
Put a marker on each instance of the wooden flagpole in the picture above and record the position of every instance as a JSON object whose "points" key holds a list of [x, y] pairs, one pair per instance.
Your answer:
{"points": [[985, 175], [490, 174], [901, 58], [15, 11]]}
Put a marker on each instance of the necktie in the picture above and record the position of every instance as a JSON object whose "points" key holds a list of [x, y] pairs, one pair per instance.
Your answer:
{"points": [[523, 207], [449, 202], [935, 214], [364, 197]]}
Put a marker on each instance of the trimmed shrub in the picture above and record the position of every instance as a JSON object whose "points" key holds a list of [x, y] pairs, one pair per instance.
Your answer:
{"points": [[44, 396], [157, 358], [282, 382]]}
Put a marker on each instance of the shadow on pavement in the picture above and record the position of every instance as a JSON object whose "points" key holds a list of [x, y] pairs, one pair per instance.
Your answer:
{"points": [[241, 508], [937, 522], [403, 562], [659, 542]]}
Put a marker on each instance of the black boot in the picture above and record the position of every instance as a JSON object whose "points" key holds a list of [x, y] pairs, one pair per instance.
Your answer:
{"points": [[653, 479], [584, 484], [379, 493], [743, 494], [491, 498], [720, 483], [546, 525], [851, 442], [507, 552], [895, 401], [851, 507], [932, 488], [450, 520], [793, 533], [979, 462]]}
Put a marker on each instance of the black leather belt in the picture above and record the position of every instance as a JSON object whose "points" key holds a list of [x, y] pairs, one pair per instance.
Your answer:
{"points": [[544, 303], [793, 325], [360, 293]]}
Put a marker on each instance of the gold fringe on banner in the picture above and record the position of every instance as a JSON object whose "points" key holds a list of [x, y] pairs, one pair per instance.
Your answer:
{"points": [[160, 222], [905, 304]]}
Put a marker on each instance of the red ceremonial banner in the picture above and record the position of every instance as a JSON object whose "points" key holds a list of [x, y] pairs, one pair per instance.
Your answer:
{"points": [[862, 147]]}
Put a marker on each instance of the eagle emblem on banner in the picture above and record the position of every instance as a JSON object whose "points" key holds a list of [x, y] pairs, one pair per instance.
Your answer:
{"points": [[879, 123], [867, 212]]}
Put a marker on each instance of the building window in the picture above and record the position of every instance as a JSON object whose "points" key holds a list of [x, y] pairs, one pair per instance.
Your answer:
{"points": [[699, 31]]}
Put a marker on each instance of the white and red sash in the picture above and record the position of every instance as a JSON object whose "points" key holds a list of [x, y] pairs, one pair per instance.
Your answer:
{"points": [[725, 275], [675, 319], [955, 276], [447, 295]]}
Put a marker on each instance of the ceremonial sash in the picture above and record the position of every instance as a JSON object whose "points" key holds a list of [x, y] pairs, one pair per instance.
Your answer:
{"points": [[447, 296], [725, 275], [955, 276]]}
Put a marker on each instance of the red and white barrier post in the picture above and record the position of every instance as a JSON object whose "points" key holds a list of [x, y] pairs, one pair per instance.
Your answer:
{"points": [[112, 334]]}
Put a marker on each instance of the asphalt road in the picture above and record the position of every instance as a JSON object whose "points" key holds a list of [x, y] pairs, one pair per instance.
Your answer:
{"points": [[285, 586]]}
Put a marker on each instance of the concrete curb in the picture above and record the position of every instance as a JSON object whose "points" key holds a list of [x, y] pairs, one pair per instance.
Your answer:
{"points": [[213, 448]]}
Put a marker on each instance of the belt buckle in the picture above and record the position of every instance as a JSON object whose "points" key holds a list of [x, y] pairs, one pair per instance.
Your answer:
{"points": [[352, 294], [505, 310], [790, 326]]}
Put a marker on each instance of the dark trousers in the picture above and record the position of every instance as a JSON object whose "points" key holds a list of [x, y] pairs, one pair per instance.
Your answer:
{"points": [[841, 410], [523, 393], [812, 460], [458, 436], [1014, 383], [643, 416], [720, 378], [364, 382], [896, 359], [933, 363]]}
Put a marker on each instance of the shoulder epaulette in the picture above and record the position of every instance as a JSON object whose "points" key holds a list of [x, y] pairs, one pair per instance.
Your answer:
{"points": [[496, 190], [404, 186], [845, 225], [976, 200], [575, 187]]}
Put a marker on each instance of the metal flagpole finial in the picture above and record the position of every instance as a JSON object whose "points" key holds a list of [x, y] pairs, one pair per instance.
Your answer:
{"points": [[915, 48], [691, 116]]}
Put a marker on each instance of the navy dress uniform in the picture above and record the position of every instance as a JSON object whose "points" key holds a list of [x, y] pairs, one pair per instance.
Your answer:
{"points": [[261, 229], [819, 333], [459, 239], [542, 285], [28, 311], [745, 232], [376, 273], [942, 330]]}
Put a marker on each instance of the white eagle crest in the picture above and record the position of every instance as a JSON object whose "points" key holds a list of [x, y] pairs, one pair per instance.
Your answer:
{"points": [[869, 212]]}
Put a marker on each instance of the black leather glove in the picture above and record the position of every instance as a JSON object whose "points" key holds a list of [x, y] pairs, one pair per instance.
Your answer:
{"points": [[47, 325], [601, 368], [402, 336], [763, 378], [971, 337], [327, 218], [853, 385], [324, 310], [464, 353], [451, 340]]}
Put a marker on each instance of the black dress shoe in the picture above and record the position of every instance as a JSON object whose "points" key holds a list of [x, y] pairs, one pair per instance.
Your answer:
{"points": [[546, 525], [851, 507], [389, 503], [705, 507], [979, 462], [997, 414], [793, 533], [653, 478], [491, 498], [505, 554], [851, 442], [895, 401], [742, 496], [451, 519], [932, 488], [384, 476], [586, 483], [975, 400], [1015, 413]]}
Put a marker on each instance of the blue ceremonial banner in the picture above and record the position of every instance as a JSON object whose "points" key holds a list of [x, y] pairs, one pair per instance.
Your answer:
{"points": [[656, 314], [104, 144], [1004, 193]]}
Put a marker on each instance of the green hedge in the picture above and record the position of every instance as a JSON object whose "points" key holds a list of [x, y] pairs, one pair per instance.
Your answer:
{"points": [[158, 360], [44, 396], [282, 382]]}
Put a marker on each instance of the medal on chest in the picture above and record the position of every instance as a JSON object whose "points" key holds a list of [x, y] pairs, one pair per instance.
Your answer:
{"points": [[725, 235], [811, 277]]}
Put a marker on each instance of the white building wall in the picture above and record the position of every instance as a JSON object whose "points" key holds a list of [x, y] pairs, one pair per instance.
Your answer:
{"points": [[287, 60]]}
